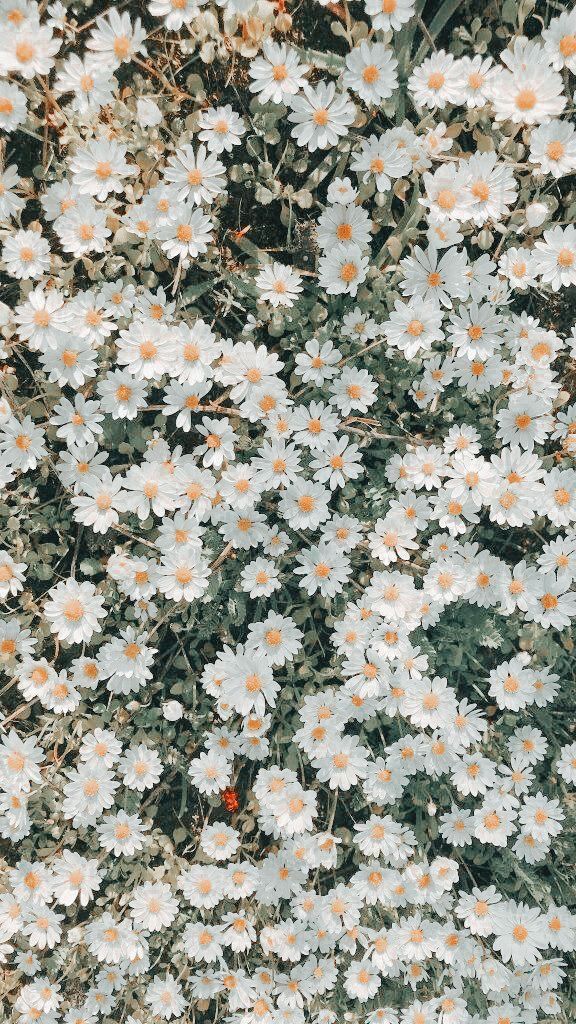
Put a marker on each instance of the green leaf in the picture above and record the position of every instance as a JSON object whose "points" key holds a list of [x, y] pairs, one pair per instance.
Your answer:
{"points": [[439, 21], [331, 62]]}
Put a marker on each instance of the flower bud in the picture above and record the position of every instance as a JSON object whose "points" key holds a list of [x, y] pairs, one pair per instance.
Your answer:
{"points": [[536, 214], [172, 710]]}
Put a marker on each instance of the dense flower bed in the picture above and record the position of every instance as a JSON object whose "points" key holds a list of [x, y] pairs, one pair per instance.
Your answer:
{"points": [[288, 550]]}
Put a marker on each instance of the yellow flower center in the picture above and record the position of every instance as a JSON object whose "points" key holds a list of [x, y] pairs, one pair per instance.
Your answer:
{"points": [[436, 80], [565, 258], [370, 74], [24, 52], [555, 150], [122, 47], [348, 272], [103, 170], [320, 117], [73, 610], [567, 46], [446, 199], [526, 99]]}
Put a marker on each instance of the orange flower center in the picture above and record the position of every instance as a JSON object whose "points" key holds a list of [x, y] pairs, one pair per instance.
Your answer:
{"points": [[565, 258], [371, 74], [103, 170], [555, 150], [122, 47], [523, 421], [491, 821], [446, 199], [562, 496], [320, 117], [415, 328], [480, 190], [24, 52], [73, 610], [344, 232], [526, 99], [567, 46], [436, 80], [340, 760]]}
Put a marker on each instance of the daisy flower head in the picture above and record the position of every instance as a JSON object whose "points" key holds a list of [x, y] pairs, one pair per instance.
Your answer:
{"points": [[518, 266], [29, 49], [436, 81], [153, 906], [343, 223], [99, 168], [164, 997], [343, 269], [220, 841], [439, 278], [529, 92], [490, 186], [341, 190], [322, 569], [186, 232], [559, 40], [389, 14], [114, 39], [555, 257], [196, 176], [278, 284], [518, 933], [13, 109], [26, 255], [382, 159], [175, 14], [120, 834], [447, 196], [480, 78], [320, 116], [277, 75], [259, 578], [553, 148], [82, 228], [221, 128], [318, 362], [371, 73], [43, 318], [74, 610]]}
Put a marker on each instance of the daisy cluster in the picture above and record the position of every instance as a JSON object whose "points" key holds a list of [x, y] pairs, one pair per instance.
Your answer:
{"points": [[288, 548]]}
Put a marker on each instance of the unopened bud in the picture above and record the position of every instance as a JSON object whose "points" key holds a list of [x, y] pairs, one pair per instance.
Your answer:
{"points": [[536, 214], [172, 710], [283, 22]]}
